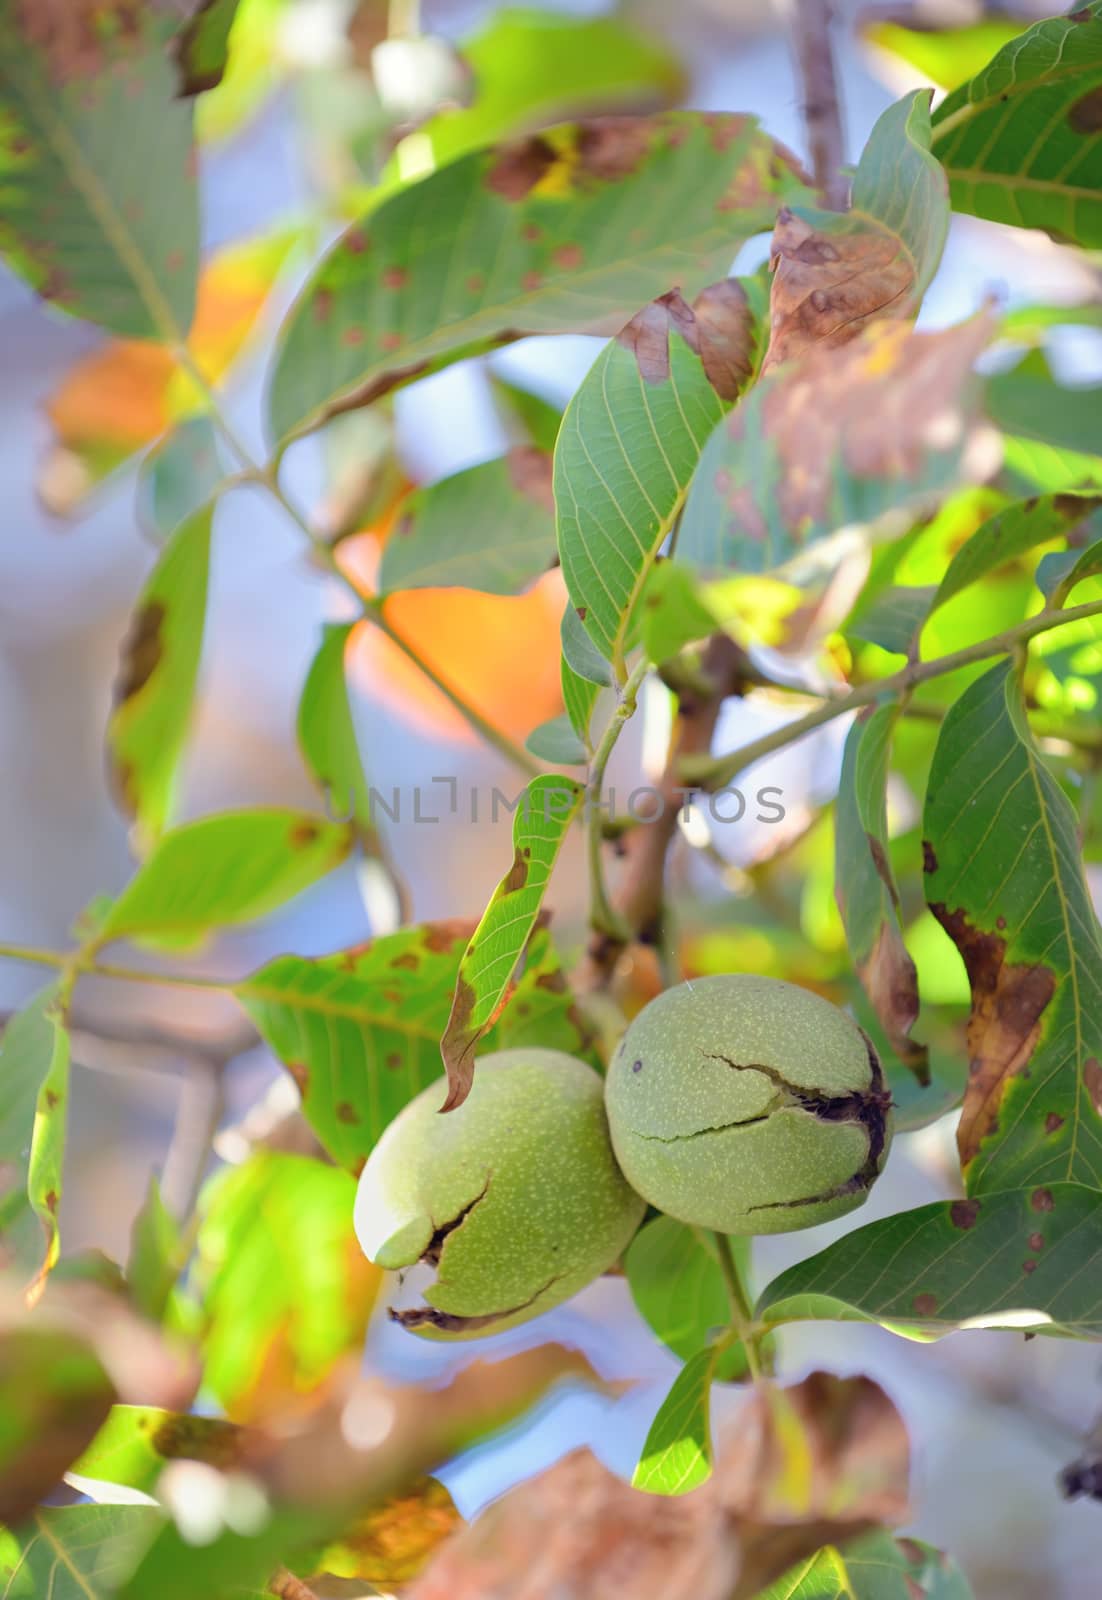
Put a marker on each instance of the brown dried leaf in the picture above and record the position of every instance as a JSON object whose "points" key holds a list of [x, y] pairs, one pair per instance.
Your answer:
{"points": [[877, 410], [391, 1543], [802, 1466], [828, 286]]}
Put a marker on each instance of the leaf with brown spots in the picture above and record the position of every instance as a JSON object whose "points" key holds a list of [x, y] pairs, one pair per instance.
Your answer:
{"points": [[491, 528], [112, 240], [865, 888], [34, 1088], [137, 1441], [959, 1263], [834, 274], [390, 1544], [986, 133], [1008, 888], [569, 231], [158, 670], [544, 814], [232, 867], [360, 1029], [631, 439], [841, 438]]}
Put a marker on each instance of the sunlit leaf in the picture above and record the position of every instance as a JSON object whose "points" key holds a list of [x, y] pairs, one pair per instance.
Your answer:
{"points": [[232, 867], [946, 56], [1022, 140], [1005, 880], [544, 814], [74, 1552], [103, 227], [522, 239], [284, 1288], [136, 1442], [677, 1454], [874, 1567]]}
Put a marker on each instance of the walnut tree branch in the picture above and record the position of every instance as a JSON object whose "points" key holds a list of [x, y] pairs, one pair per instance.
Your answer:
{"points": [[821, 107]]}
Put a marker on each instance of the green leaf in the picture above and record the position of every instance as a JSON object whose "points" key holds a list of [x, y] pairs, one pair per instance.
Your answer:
{"points": [[104, 228], [34, 1092], [865, 887], [579, 697], [677, 1285], [1021, 140], [360, 1030], [533, 67], [895, 618], [1036, 465], [201, 47], [674, 611], [580, 654], [179, 476], [1005, 880], [284, 1288], [544, 814], [135, 1443], [490, 528], [557, 742], [947, 56], [1059, 572], [158, 671], [677, 1455], [1011, 533], [1028, 402], [158, 1253], [538, 418], [1017, 1259], [327, 733], [74, 1552], [630, 441], [875, 1566], [523, 239], [233, 867]]}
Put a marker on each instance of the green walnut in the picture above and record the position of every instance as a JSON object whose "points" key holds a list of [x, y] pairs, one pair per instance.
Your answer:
{"points": [[515, 1198], [748, 1105]]}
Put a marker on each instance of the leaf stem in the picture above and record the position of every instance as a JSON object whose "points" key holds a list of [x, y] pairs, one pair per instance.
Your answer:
{"points": [[74, 963], [601, 914], [742, 1312], [819, 92], [712, 772]]}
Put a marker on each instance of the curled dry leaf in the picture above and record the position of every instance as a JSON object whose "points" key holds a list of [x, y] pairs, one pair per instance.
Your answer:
{"points": [[802, 1466], [827, 287]]}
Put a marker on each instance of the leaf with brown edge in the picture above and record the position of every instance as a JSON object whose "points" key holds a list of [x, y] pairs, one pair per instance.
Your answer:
{"points": [[155, 686], [631, 439], [865, 887], [834, 274], [34, 1086], [825, 1458], [544, 814], [567, 231], [1005, 879], [841, 438]]}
